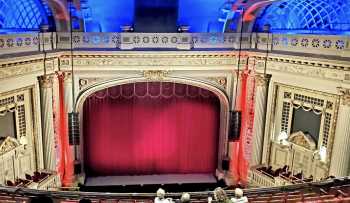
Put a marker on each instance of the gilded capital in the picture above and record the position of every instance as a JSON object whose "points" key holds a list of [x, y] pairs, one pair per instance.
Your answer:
{"points": [[65, 75], [262, 80], [344, 96], [240, 74], [46, 81]]}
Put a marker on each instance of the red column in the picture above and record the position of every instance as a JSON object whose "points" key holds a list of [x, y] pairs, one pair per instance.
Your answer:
{"points": [[241, 149], [65, 161]]}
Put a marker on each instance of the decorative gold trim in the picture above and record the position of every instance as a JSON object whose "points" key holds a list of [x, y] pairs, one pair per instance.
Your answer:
{"points": [[304, 140], [46, 81], [155, 75], [262, 80], [65, 75]]}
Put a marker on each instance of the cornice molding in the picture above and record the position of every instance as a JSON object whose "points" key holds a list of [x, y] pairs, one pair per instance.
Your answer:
{"points": [[140, 60]]}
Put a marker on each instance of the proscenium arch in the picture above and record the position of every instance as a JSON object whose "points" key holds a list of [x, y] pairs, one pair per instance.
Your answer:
{"points": [[223, 98]]}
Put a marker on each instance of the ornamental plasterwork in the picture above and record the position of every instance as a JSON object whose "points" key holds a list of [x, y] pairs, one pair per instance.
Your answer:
{"points": [[85, 82], [262, 80], [23, 68], [151, 60], [310, 70], [20, 70], [8, 144], [46, 81], [301, 139], [221, 81], [155, 75], [345, 96]]}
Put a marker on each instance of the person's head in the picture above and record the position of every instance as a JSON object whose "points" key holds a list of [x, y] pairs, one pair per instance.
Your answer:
{"points": [[220, 194], [160, 193], [185, 197], [41, 199], [238, 192], [84, 201]]}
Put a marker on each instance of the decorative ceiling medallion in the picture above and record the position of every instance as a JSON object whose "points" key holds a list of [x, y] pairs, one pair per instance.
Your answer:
{"points": [[155, 75]]}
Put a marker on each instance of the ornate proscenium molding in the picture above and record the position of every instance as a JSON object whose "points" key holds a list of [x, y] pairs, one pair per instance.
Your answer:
{"points": [[262, 80], [344, 95], [155, 75]]}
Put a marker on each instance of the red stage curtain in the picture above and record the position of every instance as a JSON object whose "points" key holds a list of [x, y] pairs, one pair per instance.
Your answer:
{"points": [[151, 128]]}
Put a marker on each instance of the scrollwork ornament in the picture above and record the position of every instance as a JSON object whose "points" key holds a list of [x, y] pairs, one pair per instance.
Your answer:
{"points": [[344, 96], [222, 81], [155, 75]]}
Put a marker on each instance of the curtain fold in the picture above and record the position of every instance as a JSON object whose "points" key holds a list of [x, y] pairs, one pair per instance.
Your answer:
{"points": [[151, 128]]}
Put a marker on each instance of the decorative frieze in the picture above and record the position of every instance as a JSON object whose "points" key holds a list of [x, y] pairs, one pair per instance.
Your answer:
{"points": [[304, 68], [25, 67], [150, 60]]}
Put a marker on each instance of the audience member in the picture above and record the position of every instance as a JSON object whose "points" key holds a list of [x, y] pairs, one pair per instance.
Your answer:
{"points": [[220, 195], [185, 198], [161, 197], [239, 198], [85, 201], [41, 199]]}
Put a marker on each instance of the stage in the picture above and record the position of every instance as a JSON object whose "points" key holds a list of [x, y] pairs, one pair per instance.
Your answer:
{"points": [[150, 183], [150, 179]]}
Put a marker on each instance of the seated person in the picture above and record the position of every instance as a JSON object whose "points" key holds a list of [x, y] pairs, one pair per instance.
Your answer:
{"points": [[185, 198], [239, 198], [220, 196], [161, 197]]}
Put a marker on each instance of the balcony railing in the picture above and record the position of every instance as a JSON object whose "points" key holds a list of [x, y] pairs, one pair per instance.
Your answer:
{"points": [[333, 45]]}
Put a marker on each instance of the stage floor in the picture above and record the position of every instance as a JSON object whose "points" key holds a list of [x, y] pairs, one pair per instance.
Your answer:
{"points": [[150, 180]]}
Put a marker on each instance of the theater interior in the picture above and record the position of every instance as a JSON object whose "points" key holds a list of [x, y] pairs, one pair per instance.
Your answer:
{"points": [[111, 100]]}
